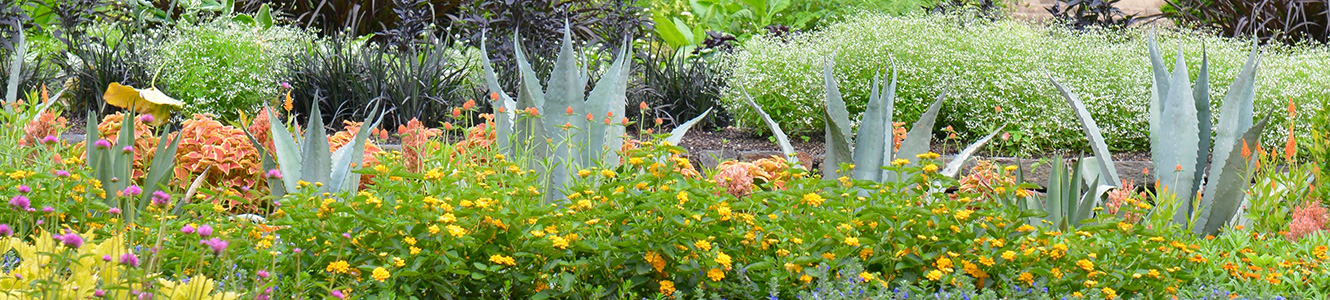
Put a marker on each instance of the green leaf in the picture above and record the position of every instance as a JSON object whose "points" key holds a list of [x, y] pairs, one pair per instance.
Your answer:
{"points": [[668, 31], [1178, 139], [1203, 126], [529, 131], [244, 19], [264, 17], [161, 169], [315, 161], [871, 140], [288, 155], [598, 104], [1092, 132], [781, 138], [954, 166], [1056, 193], [353, 154], [1033, 213], [837, 124], [678, 133], [920, 137], [1157, 93], [1228, 185]]}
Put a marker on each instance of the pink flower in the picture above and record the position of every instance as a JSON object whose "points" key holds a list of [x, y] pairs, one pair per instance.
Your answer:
{"points": [[24, 189], [216, 244], [735, 177], [274, 174], [262, 274], [1308, 218], [133, 190], [129, 259], [127, 149], [71, 239], [160, 198], [103, 144], [338, 294], [205, 230], [147, 118], [5, 230], [187, 229], [114, 210], [20, 202]]}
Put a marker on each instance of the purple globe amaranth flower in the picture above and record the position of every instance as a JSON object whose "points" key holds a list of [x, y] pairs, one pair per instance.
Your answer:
{"points": [[274, 174], [20, 202], [50, 140], [106, 257], [103, 144], [61, 173], [127, 149], [297, 250], [285, 85], [187, 229], [24, 189], [204, 230], [71, 240], [99, 293], [48, 209], [262, 274], [160, 198], [217, 245], [114, 210], [338, 294], [147, 118], [129, 259], [5, 230], [133, 190], [145, 296]]}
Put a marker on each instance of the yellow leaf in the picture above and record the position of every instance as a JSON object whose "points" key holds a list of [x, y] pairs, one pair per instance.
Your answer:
{"points": [[144, 101]]}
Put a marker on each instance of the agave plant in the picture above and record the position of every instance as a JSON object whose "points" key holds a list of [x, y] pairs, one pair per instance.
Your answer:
{"points": [[1180, 130], [310, 158], [1072, 193], [872, 148]]}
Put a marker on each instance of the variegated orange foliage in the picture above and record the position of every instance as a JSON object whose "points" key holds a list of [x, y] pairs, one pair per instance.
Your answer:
{"points": [[414, 135], [231, 159], [48, 124], [145, 144]]}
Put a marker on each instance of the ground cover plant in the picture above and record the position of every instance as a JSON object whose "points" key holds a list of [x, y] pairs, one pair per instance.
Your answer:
{"points": [[1006, 81]]}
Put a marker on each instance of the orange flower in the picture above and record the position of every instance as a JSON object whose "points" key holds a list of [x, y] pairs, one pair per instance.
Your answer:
{"points": [[469, 104]]}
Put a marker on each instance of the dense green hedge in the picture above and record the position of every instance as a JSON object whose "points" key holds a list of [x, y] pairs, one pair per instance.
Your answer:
{"points": [[1006, 64]]}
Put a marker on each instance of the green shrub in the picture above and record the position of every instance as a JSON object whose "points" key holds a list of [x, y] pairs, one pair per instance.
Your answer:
{"points": [[221, 67], [1006, 64]]}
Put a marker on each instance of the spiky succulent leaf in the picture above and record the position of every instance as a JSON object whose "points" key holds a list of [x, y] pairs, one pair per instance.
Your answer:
{"points": [[1176, 166], [15, 69], [954, 166], [1232, 130], [529, 130], [781, 138], [563, 91], [503, 106], [1203, 126], [618, 106], [677, 134], [1157, 93], [275, 186], [315, 160], [837, 125], [871, 140], [888, 115], [1092, 132], [90, 139], [288, 154], [1229, 179], [1056, 192], [920, 137], [352, 154], [598, 105]]}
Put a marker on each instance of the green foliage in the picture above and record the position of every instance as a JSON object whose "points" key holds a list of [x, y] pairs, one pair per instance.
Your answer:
{"points": [[310, 160], [1007, 72], [223, 67], [685, 22]]}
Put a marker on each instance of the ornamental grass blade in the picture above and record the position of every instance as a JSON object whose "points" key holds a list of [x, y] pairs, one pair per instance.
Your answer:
{"points": [[1228, 184], [1204, 125], [954, 166], [781, 138], [315, 161], [871, 140], [837, 125], [501, 103], [920, 137], [1176, 167], [676, 135], [1092, 132], [288, 153]]}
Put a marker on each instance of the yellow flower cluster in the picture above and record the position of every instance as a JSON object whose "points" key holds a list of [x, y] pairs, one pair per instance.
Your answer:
{"points": [[336, 267], [499, 259]]}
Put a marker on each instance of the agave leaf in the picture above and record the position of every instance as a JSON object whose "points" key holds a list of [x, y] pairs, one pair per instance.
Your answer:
{"points": [[122, 164], [871, 140], [920, 137], [503, 106], [1160, 71], [1203, 126], [889, 112], [1157, 93], [15, 69], [353, 154], [618, 105], [677, 134], [781, 138], [1236, 117], [1056, 193], [163, 161], [275, 186], [598, 105], [954, 166], [837, 125], [563, 92], [1228, 184], [1073, 189], [1179, 139], [315, 161], [1092, 133], [288, 153], [530, 131], [90, 139]]}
